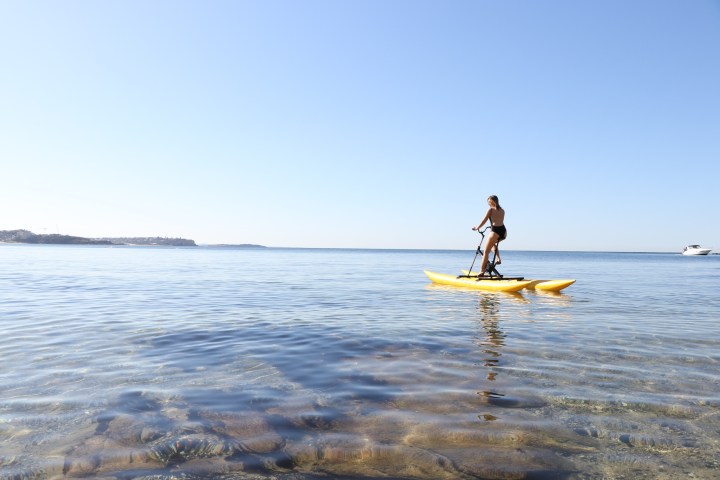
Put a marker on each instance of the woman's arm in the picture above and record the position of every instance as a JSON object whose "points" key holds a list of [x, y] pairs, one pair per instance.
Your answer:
{"points": [[487, 215]]}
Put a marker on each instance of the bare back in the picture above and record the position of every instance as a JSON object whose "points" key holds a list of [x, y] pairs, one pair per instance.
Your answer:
{"points": [[497, 216]]}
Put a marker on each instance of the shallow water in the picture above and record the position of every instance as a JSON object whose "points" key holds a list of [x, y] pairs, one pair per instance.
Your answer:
{"points": [[132, 362]]}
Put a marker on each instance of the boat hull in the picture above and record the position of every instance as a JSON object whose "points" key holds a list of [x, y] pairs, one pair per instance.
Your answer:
{"points": [[543, 285], [488, 285], [550, 285], [703, 251]]}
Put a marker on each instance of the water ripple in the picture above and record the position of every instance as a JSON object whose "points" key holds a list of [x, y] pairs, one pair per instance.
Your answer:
{"points": [[205, 363]]}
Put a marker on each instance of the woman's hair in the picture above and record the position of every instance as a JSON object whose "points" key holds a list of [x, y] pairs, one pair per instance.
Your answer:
{"points": [[495, 199]]}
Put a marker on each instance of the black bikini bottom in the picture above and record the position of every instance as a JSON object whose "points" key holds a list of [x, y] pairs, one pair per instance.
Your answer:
{"points": [[500, 230]]}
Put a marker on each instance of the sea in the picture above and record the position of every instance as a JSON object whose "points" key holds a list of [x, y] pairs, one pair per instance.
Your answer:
{"points": [[295, 364]]}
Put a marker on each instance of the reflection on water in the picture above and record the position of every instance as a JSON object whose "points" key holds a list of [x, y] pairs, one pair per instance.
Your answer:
{"points": [[129, 364], [493, 340]]}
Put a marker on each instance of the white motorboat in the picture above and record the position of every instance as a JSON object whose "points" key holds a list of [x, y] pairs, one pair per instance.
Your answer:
{"points": [[695, 250]]}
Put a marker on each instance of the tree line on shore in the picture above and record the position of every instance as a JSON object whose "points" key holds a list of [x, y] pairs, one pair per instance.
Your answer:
{"points": [[26, 236]]}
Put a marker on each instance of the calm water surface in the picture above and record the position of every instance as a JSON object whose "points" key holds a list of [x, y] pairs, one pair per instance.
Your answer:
{"points": [[194, 363]]}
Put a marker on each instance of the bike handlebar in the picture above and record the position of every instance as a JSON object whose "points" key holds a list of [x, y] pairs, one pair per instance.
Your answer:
{"points": [[482, 232]]}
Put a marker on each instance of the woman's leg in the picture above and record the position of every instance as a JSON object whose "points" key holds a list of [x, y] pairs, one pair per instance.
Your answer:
{"points": [[491, 242]]}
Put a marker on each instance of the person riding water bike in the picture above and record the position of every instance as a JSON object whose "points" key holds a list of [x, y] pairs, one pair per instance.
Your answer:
{"points": [[496, 215]]}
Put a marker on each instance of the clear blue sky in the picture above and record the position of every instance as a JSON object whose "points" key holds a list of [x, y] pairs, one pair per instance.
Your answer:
{"points": [[364, 123]]}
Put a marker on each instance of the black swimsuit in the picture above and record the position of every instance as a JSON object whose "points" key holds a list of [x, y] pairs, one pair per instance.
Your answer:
{"points": [[500, 230]]}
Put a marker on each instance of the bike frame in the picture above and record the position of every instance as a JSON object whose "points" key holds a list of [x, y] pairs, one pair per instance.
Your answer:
{"points": [[490, 268]]}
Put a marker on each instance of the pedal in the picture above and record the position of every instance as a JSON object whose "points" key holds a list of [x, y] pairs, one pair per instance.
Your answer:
{"points": [[492, 271]]}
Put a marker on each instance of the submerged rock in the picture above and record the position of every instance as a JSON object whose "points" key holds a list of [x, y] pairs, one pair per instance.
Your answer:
{"points": [[180, 448], [502, 463], [250, 431], [81, 466], [433, 435], [357, 457]]}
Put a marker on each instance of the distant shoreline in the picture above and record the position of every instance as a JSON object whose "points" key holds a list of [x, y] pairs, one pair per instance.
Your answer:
{"points": [[242, 246], [28, 237]]}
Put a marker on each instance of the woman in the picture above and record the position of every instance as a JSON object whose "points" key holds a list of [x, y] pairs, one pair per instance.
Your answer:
{"points": [[496, 215]]}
